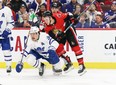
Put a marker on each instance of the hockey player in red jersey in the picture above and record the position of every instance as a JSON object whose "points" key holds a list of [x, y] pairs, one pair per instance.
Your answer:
{"points": [[56, 24]]}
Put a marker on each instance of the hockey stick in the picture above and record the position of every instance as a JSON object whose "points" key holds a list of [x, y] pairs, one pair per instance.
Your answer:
{"points": [[19, 66], [79, 16]]}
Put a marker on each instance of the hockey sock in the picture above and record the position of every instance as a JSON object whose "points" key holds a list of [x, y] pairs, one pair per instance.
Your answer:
{"points": [[7, 58], [80, 61], [66, 58], [57, 65], [37, 64]]}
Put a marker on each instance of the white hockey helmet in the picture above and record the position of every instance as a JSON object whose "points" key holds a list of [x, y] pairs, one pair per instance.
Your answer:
{"points": [[34, 29]]}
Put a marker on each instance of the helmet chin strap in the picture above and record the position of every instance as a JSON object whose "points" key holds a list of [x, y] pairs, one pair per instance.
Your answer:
{"points": [[38, 36], [49, 21]]}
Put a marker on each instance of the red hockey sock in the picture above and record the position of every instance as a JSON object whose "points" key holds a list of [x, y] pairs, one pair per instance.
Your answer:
{"points": [[80, 61], [67, 58]]}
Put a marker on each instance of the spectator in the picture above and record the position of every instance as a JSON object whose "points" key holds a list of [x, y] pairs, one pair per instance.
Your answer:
{"points": [[110, 15], [63, 1], [19, 14], [100, 1], [97, 4], [36, 5], [77, 12], [81, 1], [108, 2], [83, 23], [61, 7], [55, 7], [26, 23], [32, 15], [70, 7], [16, 4], [91, 14], [99, 22], [42, 9]]}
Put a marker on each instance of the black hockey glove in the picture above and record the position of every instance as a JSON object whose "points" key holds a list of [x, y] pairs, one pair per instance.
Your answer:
{"points": [[60, 35]]}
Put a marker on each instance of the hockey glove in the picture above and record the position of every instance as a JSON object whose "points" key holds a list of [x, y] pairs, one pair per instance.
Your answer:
{"points": [[6, 33], [19, 67], [60, 35]]}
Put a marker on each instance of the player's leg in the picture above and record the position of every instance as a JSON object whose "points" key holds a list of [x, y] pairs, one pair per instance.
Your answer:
{"points": [[72, 39], [33, 60], [55, 61], [62, 53], [7, 54]]}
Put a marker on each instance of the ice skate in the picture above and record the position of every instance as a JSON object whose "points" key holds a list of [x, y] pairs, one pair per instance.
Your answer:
{"points": [[8, 69], [41, 69], [57, 71], [82, 70], [68, 67]]}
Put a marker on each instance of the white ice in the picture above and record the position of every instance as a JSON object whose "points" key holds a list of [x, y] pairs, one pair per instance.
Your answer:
{"points": [[31, 77]]}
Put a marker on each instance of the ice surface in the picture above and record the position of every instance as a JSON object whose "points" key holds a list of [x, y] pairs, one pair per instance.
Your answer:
{"points": [[31, 77]]}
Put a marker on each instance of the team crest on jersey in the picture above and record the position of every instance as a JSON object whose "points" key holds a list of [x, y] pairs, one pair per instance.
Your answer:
{"points": [[3, 15], [59, 15]]}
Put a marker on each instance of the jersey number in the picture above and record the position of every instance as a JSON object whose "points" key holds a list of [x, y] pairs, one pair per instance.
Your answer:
{"points": [[1, 23]]}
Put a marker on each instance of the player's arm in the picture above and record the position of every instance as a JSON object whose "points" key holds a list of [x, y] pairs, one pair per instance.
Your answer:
{"points": [[9, 23], [9, 18], [28, 49]]}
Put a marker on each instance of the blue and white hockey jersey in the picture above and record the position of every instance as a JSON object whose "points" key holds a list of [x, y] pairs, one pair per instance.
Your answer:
{"points": [[42, 45], [6, 19]]}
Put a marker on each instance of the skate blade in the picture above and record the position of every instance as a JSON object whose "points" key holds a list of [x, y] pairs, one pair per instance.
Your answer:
{"points": [[43, 72], [57, 74], [71, 68], [80, 74]]}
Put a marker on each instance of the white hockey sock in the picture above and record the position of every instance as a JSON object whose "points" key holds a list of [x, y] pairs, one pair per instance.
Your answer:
{"points": [[37, 64], [57, 65], [7, 57]]}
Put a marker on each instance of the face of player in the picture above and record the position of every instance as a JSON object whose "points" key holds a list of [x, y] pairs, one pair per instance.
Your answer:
{"points": [[34, 36], [49, 20]]}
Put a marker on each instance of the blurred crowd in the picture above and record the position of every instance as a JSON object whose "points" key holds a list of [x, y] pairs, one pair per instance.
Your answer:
{"points": [[101, 14]]}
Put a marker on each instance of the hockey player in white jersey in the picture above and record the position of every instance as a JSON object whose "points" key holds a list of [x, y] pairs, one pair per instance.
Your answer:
{"points": [[6, 25], [41, 46]]}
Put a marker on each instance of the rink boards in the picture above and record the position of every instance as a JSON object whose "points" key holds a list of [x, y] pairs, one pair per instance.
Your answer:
{"points": [[98, 46]]}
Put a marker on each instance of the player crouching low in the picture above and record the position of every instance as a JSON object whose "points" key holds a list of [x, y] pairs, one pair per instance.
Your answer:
{"points": [[41, 46]]}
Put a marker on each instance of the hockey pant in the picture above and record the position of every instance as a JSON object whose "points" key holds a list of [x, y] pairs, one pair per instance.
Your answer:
{"points": [[6, 48], [34, 56], [71, 37]]}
